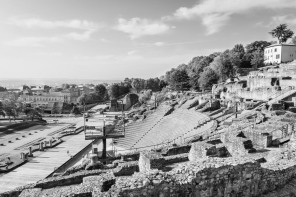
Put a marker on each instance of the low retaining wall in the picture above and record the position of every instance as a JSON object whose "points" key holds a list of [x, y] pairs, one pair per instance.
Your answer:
{"points": [[214, 177]]}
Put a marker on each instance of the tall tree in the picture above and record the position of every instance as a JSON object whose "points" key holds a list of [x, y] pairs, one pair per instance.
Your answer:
{"points": [[101, 91], [2, 112], [217, 66], [257, 58], [180, 80], [33, 112], [208, 78], [138, 84], [113, 91], [236, 57], [9, 108], [227, 67], [282, 33], [254, 50], [55, 108], [82, 99]]}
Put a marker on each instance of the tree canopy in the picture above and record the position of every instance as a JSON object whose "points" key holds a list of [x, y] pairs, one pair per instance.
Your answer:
{"points": [[282, 33]]}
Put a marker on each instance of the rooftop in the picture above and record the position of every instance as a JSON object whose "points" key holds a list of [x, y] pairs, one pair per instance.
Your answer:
{"points": [[282, 44]]}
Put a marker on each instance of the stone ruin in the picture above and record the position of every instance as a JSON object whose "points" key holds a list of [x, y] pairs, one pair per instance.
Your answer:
{"points": [[236, 164]]}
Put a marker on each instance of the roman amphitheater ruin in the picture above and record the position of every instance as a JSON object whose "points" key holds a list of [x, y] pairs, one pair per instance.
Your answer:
{"points": [[238, 140]]}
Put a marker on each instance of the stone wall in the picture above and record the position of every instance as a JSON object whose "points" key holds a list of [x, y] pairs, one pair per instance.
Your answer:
{"points": [[259, 140], [257, 82], [153, 160], [213, 177]]}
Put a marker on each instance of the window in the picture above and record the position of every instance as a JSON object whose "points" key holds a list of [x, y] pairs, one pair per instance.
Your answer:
{"points": [[275, 49], [278, 56]]}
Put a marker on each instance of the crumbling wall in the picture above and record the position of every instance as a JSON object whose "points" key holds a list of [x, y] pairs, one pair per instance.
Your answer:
{"points": [[258, 82], [214, 177]]}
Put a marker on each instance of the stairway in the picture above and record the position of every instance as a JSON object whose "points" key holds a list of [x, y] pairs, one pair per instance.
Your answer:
{"points": [[281, 96]]}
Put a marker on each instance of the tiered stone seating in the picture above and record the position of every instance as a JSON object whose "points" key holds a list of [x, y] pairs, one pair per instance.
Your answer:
{"points": [[181, 123], [135, 131], [187, 104]]}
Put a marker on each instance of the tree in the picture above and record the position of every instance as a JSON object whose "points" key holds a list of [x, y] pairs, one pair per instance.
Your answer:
{"points": [[257, 59], [55, 108], [101, 91], [2, 89], [282, 33], [138, 84], [208, 78], [9, 108], [65, 86], [82, 99], [32, 112], [152, 84], [254, 46], [162, 84], [113, 91], [236, 57], [2, 112], [193, 81], [180, 80], [75, 110], [253, 50], [226, 71]]}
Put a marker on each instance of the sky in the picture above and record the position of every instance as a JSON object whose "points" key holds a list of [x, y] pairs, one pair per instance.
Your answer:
{"points": [[114, 39]]}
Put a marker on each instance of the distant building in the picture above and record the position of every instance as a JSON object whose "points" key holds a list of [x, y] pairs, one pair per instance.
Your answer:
{"points": [[47, 97], [84, 89], [279, 53]]}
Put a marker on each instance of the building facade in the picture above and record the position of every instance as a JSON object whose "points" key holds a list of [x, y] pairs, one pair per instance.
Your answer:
{"points": [[47, 97], [279, 53]]}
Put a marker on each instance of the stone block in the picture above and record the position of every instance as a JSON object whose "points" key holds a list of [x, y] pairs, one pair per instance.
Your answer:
{"points": [[201, 150], [150, 160], [236, 147]]}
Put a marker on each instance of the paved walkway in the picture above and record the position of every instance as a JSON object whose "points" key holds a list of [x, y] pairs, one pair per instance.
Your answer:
{"points": [[43, 164], [20, 138]]}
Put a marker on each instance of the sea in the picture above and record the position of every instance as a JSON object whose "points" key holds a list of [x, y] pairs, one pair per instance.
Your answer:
{"points": [[52, 82]]}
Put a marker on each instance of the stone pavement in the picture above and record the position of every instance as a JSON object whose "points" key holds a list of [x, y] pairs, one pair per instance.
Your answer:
{"points": [[43, 164]]}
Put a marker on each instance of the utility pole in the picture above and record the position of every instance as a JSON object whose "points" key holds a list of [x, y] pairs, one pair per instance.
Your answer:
{"points": [[123, 116], [104, 152], [84, 115], [235, 109]]}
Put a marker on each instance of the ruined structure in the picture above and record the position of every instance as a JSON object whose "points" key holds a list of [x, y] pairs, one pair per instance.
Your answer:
{"points": [[238, 141]]}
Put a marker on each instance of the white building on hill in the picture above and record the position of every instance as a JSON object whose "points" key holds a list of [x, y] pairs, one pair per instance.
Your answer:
{"points": [[279, 53]]}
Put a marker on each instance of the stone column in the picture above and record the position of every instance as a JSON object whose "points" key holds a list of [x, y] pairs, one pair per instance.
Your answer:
{"points": [[30, 151], [41, 146]]}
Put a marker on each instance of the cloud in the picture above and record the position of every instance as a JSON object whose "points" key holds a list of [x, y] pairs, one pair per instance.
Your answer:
{"points": [[159, 44], [33, 41], [131, 52], [47, 24], [109, 58], [215, 13], [289, 20], [104, 40], [138, 27], [84, 30], [79, 36]]}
